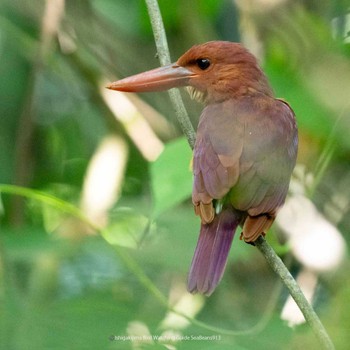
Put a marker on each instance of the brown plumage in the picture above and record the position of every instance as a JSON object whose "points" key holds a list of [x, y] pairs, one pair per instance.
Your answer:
{"points": [[245, 149]]}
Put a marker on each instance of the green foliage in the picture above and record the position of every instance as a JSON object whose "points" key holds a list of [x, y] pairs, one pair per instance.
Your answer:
{"points": [[128, 228], [171, 178], [70, 282]]}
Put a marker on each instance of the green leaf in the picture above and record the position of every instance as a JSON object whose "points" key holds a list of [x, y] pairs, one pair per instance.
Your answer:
{"points": [[127, 228], [171, 178]]}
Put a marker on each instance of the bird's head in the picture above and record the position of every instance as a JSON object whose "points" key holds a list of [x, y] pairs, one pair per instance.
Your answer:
{"points": [[213, 72]]}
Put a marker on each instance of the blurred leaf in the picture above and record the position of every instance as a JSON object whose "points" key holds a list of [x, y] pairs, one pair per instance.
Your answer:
{"points": [[171, 179], [127, 228], [28, 246]]}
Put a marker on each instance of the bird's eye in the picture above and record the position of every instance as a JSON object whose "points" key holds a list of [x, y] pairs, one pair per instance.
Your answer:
{"points": [[203, 63]]}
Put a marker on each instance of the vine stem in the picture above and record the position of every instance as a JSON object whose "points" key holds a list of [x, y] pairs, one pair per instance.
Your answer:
{"points": [[270, 255], [127, 259]]}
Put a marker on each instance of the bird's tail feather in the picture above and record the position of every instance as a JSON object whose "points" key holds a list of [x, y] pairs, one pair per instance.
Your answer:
{"points": [[210, 256]]}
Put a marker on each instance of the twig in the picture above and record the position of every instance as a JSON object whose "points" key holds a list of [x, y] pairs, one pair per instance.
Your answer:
{"points": [[310, 315], [164, 57], [270, 255]]}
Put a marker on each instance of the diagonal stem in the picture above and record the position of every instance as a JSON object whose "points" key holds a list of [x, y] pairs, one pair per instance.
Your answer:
{"points": [[310, 315], [270, 255], [164, 57]]}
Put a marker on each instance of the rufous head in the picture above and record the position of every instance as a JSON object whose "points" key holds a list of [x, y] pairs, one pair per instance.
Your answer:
{"points": [[213, 72]]}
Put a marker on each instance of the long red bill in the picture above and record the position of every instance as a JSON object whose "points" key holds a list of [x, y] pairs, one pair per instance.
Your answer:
{"points": [[158, 79]]}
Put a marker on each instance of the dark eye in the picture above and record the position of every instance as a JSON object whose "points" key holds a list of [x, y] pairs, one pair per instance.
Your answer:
{"points": [[203, 63]]}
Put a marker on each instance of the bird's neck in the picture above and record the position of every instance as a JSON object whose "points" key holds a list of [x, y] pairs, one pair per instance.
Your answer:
{"points": [[241, 82]]}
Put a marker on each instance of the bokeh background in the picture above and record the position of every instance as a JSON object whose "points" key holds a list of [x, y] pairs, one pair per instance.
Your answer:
{"points": [[97, 238]]}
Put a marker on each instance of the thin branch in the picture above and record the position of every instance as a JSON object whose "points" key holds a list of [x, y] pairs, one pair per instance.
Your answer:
{"points": [[310, 315], [164, 57], [270, 255]]}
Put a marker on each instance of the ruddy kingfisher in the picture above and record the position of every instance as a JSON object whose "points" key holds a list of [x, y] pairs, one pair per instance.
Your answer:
{"points": [[245, 150]]}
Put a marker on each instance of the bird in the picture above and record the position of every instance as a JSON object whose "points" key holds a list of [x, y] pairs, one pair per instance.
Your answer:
{"points": [[245, 150]]}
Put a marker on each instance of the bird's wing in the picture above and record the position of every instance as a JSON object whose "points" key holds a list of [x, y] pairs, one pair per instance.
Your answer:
{"points": [[216, 159], [271, 139], [270, 146], [246, 151]]}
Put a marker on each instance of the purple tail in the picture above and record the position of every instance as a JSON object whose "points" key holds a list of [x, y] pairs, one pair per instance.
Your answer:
{"points": [[210, 256]]}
